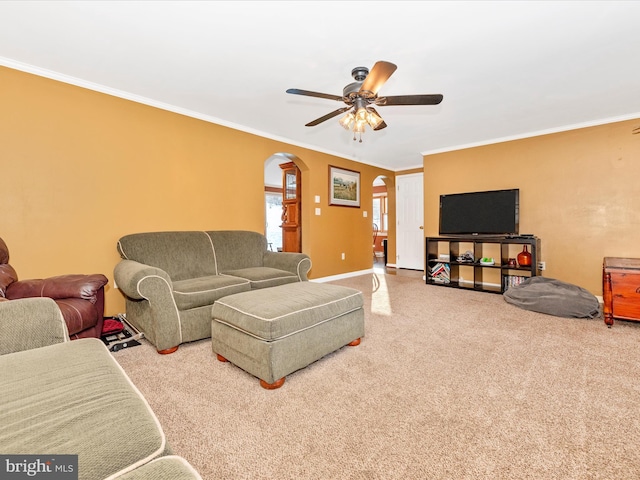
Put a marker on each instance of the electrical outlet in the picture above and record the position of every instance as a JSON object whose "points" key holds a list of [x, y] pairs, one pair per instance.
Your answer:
{"points": [[343, 256], [542, 265]]}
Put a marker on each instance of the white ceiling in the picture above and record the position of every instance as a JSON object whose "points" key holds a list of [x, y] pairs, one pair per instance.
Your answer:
{"points": [[506, 69]]}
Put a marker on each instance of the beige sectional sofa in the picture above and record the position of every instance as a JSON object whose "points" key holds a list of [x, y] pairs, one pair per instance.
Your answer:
{"points": [[59, 397], [172, 279]]}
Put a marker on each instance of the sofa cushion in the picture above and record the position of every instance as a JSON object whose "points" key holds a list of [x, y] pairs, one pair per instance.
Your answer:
{"points": [[182, 255], [196, 292], [275, 313], [238, 249], [74, 398], [263, 277]]}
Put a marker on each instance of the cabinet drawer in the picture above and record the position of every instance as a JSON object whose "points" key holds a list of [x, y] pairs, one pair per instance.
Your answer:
{"points": [[625, 290]]}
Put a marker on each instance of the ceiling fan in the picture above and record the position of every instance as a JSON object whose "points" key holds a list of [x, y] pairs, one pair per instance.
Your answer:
{"points": [[361, 95]]}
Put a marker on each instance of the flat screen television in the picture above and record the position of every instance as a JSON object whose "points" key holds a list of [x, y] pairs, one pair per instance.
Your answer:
{"points": [[494, 212]]}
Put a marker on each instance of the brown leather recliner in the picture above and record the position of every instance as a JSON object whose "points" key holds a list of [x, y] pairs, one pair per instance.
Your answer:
{"points": [[80, 297]]}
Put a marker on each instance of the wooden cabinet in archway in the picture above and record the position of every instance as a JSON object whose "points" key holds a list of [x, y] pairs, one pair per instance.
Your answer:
{"points": [[291, 221]]}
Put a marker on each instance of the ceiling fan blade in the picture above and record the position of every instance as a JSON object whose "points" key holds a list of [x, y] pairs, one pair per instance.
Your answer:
{"points": [[382, 125], [307, 93], [378, 75], [434, 99], [327, 116]]}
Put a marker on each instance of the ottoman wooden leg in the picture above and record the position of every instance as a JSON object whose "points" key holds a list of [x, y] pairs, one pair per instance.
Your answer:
{"points": [[221, 358], [272, 386], [355, 343], [167, 351]]}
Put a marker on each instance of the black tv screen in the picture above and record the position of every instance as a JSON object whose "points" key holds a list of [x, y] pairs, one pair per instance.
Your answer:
{"points": [[480, 213]]}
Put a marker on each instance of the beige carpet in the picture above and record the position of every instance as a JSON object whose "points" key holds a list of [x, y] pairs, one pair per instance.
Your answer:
{"points": [[447, 384]]}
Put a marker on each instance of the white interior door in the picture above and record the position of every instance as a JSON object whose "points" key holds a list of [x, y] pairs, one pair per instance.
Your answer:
{"points": [[410, 218]]}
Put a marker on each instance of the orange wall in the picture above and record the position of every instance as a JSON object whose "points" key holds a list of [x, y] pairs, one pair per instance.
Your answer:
{"points": [[80, 169], [579, 192]]}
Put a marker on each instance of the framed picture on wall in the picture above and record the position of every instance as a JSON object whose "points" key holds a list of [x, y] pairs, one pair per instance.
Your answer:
{"points": [[344, 187]]}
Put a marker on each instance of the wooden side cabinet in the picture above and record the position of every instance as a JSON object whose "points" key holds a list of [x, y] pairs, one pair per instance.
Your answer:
{"points": [[291, 221], [621, 289]]}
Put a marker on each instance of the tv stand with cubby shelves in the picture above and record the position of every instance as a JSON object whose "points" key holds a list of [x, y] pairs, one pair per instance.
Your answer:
{"points": [[444, 268]]}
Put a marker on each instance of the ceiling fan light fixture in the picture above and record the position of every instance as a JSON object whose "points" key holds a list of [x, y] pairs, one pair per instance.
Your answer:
{"points": [[348, 120], [359, 126], [362, 117], [373, 119]]}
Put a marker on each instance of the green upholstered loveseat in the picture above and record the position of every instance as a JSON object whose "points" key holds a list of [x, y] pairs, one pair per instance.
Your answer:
{"points": [[171, 279], [59, 397]]}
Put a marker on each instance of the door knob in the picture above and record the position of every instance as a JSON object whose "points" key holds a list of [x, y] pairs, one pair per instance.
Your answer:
{"points": [[421, 227]]}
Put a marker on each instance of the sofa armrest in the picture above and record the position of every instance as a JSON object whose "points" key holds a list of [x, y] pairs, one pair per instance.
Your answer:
{"points": [[7, 276], [298, 263], [129, 274], [30, 323], [63, 286], [152, 288]]}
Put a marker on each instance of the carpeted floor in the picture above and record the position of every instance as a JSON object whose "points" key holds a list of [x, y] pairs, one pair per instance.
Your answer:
{"points": [[446, 384]]}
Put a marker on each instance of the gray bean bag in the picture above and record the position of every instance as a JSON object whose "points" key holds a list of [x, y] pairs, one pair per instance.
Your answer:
{"points": [[553, 297]]}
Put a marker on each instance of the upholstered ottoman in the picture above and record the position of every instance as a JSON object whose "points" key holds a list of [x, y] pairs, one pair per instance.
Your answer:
{"points": [[275, 331]]}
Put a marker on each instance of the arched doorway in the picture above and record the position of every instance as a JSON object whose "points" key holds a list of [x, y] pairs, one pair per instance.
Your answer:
{"points": [[273, 201], [380, 221], [283, 202]]}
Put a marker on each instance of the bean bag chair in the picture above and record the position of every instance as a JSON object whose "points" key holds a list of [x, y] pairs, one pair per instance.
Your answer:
{"points": [[553, 297]]}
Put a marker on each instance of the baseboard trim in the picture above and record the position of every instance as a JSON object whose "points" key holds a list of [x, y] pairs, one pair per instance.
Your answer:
{"points": [[341, 276]]}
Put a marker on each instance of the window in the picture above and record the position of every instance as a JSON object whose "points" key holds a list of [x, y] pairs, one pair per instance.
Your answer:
{"points": [[380, 207], [273, 217]]}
